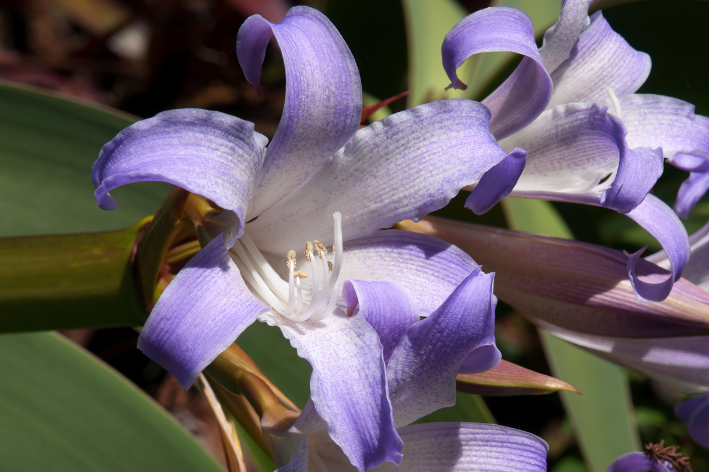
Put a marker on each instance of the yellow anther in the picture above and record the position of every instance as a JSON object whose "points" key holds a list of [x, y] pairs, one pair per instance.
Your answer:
{"points": [[308, 250], [290, 263], [321, 249], [300, 274], [329, 265]]}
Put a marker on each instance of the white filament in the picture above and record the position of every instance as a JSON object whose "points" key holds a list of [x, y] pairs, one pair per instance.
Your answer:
{"points": [[288, 299], [615, 102]]}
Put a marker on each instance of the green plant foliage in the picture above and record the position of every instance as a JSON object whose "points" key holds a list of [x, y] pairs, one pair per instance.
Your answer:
{"points": [[63, 410], [47, 147], [426, 25], [602, 418]]}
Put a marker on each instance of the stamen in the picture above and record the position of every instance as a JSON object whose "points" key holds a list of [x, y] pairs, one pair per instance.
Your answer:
{"points": [[308, 250], [274, 281], [252, 276], [301, 275], [291, 283], [329, 266], [615, 102]]}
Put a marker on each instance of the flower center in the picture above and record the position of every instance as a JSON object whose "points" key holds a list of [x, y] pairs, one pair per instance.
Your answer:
{"points": [[287, 298]]}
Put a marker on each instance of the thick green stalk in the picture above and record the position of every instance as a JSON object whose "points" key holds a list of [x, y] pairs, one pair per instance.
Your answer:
{"points": [[68, 281]]}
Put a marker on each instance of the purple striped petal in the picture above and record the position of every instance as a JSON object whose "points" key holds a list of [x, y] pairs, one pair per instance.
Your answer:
{"points": [[695, 413], [401, 167], [201, 312], [497, 183], [600, 58], [637, 462], [387, 306], [422, 370], [662, 223], [666, 122], [559, 40], [348, 386], [206, 152], [408, 260], [637, 173], [572, 147], [323, 103], [681, 362], [525, 94], [463, 447]]}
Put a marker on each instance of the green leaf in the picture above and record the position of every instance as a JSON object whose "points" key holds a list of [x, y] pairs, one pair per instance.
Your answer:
{"points": [[602, 418], [47, 147], [427, 23], [63, 410]]}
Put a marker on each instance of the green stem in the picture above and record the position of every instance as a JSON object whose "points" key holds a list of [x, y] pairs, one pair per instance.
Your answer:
{"points": [[68, 282]]}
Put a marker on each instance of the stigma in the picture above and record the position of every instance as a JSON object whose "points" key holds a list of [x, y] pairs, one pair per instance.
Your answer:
{"points": [[291, 299]]}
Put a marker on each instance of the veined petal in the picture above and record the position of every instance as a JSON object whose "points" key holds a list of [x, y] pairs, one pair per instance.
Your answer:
{"points": [[695, 413], [323, 97], [464, 447], [409, 260], [387, 306], [697, 269], [572, 147], [690, 192], [497, 183], [560, 39], [637, 462], [422, 369], [401, 167], [637, 173], [662, 223], [201, 312], [659, 121], [348, 386], [600, 58], [576, 285], [525, 93], [206, 152], [681, 362]]}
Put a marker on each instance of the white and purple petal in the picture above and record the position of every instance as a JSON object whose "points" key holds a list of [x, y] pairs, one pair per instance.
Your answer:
{"points": [[323, 104], [466, 447], [572, 147], [201, 312], [387, 306], [409, 260], [601, 58], [206, 152], [662, 223], [560, 39], [348, 387], [402, 167], [695, 414], [497, 183], [526, 92], [422, 369]]}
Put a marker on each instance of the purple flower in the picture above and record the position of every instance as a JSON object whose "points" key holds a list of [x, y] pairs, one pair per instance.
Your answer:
{"points": [[318, 168], [422, 360], [589, 138]]}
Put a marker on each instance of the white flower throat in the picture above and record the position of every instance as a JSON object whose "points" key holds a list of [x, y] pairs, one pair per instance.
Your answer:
{"points": [[287, 298]]}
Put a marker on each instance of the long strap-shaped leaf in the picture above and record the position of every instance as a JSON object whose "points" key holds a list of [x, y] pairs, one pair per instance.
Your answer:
{"points": [[63, 410]]}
